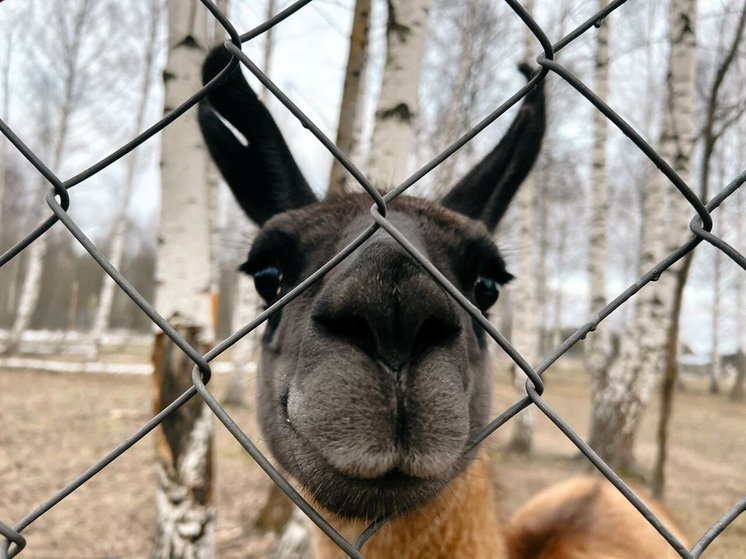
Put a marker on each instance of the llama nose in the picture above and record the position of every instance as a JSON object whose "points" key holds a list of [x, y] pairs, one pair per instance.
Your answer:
{"points": [[387, 306]]}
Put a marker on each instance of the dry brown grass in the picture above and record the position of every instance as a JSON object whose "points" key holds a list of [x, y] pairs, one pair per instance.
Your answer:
{"points": [[52, 427]]}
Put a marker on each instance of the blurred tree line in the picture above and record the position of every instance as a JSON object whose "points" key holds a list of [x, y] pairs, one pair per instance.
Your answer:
{"points": [[76, 103]]}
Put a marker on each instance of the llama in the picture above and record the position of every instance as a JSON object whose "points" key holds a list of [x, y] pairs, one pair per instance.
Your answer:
{"points": [[372, 382]]}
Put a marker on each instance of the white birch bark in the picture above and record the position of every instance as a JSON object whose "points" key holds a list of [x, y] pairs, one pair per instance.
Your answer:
{"points": [[598, 344], [106, 295], [393, 132], [71, 41], [184, 284], [525, 330], [184, 270], [191, 534], [295, 542], [618, 410]]}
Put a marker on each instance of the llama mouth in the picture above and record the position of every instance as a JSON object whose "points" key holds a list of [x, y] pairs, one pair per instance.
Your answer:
{"points": [[392, 494], [393, 480], [367, 498]]}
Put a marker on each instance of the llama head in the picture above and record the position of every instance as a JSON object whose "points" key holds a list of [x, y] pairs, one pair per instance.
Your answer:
{"points": [[372, 381]]}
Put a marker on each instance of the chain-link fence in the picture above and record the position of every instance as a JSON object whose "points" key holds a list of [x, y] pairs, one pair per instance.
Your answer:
{"points": [[12, 541]]}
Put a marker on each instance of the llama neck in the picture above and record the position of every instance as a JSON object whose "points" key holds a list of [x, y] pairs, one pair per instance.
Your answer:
{"points": [[461, 522]]}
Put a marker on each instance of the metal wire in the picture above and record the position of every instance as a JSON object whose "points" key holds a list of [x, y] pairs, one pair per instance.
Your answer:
{"points": [[12, 542]]}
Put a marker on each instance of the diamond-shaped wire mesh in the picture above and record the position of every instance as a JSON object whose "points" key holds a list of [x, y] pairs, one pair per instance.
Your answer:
{"points": [[12, 541]]}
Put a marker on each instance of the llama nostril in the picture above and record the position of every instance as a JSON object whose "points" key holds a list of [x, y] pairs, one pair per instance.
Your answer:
{"points": [[350, 327], [434, 332], [393, 351]]}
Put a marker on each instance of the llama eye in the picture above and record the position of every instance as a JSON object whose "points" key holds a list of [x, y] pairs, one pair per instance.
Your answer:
{"points": [[268, 282], [486, 292]]}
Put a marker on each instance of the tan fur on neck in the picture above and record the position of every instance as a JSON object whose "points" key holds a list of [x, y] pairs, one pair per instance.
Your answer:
{"points": [[460, 523], [581, 518]]}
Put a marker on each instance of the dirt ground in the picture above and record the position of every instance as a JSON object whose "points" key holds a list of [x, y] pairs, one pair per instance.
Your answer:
{"points": [[53, 426]]}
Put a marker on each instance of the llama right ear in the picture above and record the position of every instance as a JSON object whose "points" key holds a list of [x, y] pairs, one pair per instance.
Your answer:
{"points": [[485, 192], [262, 174]]}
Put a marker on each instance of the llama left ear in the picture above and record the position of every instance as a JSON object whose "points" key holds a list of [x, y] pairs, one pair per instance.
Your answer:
{"points": [[485, 192], [262, 174]]}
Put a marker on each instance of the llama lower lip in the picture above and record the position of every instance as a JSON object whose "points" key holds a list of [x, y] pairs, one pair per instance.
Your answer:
{"points": [[391, 480], [391, 494]]}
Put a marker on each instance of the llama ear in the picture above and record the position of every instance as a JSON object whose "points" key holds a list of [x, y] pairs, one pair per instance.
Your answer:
{"points": [[262, 174], [486, 191]]}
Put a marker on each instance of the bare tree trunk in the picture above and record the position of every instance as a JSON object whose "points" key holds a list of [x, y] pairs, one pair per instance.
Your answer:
{"points": [[453, 123], [268, 48], [525, 331], [4, 167], [544, 331], [558, 306], [71, 51], [598, 344], [739, 389], [72, 307], [716, 365], [106, 295], [245, 353], [350, 110], [393, 133], [11, 271], [185, 514], [186, 518], [672, 347], [618, 410]]}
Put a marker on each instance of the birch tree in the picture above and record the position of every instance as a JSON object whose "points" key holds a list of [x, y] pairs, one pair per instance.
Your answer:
{"points": [[185, 514], [465, 48], [348, 128], [712, 130], [525, 330], [618, 410], [393, 131], [598, 344], [4, 165], [716, 360], [106, 296], [738, 389]]}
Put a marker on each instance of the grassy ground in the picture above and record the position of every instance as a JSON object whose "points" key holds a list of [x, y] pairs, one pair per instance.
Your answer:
{"points": [[52, 427]]}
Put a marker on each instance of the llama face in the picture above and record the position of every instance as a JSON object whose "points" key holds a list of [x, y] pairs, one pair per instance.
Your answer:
{"points": [[372, 381]]}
